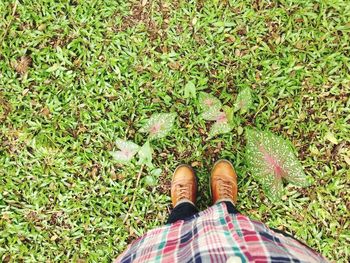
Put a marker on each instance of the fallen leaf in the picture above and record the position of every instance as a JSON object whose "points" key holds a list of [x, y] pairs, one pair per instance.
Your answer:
{"points": [[196, 164], [237, 53], [347, 159], [45, 111], [194, 21], [174, 65], [330, 137], [230, 39], [42, 27], [22, 64], [25, 92]]}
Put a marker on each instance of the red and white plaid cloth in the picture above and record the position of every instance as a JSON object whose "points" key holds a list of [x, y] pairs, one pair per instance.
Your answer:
{"points": [[215, 235]]}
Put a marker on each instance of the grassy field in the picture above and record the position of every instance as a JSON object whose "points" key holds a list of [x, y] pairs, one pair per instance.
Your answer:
{"points": [[76, 75]]}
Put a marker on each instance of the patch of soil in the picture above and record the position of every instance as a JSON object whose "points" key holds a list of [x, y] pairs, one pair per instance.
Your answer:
{"points": [[164, 183], [6, 108]]}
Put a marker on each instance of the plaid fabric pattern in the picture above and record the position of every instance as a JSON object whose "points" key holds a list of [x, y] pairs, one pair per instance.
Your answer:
{"points": [[214, 235]]}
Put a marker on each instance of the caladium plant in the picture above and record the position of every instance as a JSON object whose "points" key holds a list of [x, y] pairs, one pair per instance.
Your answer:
{"points": [[158, 125], [212, 111], [127, 151], [145, 155], [209, 103], [271, 159], [244, 100]]}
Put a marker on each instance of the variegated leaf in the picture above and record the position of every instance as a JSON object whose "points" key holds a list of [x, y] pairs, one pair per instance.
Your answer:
{"points": [[190, 90], [273, 187], [209, 103], [229, 113], [211, 114], [270, 159], [159, 125], [220, 126], [145, 155], [127, 150], [244, 100]]}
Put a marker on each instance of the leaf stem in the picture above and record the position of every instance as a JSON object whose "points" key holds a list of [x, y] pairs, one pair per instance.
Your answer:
{"points": [[134, 195], [260, 109]]}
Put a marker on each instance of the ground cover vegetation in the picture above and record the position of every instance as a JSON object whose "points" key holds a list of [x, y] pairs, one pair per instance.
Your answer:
{"points": [[78, 79]]}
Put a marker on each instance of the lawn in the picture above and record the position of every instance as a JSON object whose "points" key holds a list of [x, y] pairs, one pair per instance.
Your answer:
{"points": [[77, 75]]}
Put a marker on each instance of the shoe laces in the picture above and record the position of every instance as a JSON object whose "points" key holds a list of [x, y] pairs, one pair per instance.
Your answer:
{"points": [[183, 191], [225, 187]]}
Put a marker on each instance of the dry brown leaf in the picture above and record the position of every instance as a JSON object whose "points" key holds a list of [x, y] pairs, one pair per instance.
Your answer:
{"points": [[45, 111], [237, 53], [330, 137], [25, 92], [347, 159], [6, 217], [230, 39], [196, 164], [194, 21], [42, 27], [174, 65], [54, 237], [22, 64]]}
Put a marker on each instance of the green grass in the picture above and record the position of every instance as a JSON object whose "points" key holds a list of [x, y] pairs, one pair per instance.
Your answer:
{"points": [[93, 71]]}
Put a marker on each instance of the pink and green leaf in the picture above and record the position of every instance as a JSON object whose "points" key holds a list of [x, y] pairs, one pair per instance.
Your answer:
{"points": [[209, 103], [159, 125], [229, 113], [190, 90], [244, 100], [211, 114], [270, 159], [220, 126], [127, 151], [145, 155]]}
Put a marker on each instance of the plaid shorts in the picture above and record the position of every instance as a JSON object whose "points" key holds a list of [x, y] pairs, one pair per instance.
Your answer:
{"points": [[215, 235]]}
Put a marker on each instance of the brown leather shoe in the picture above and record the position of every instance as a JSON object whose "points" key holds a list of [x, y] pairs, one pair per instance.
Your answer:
{"points": [[183, 185], [223, 182]]}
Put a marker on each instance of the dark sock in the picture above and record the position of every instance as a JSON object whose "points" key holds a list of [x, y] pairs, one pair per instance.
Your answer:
{"points": [[181, 212], [230, 207]]}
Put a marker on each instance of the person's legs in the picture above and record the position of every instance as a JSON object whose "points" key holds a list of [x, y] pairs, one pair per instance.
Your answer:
{"points": [[184, 189], [231, 208], [183, 193], [181, 212], [223, 183], [186, 209], [224, 190]]}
